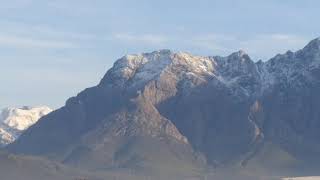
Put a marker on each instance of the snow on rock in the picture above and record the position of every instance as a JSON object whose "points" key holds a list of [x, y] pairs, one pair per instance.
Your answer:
{"points": [[198, 65], [238, 71], [134, 71], [154, 64], [137, 70], [5, 137], [13, 121]]}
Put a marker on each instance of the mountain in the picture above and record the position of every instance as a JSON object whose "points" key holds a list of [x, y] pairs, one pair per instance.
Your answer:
{"points": [[178, 113], [13, 121]]}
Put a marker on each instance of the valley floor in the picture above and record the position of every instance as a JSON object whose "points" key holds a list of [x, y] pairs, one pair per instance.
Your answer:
{"points": [[303, 178]]}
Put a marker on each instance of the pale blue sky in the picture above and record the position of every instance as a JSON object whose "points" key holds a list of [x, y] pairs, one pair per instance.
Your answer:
{"points": [[52, 49]]}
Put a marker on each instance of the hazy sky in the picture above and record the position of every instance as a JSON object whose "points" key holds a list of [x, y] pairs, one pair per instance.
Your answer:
{"points": [[52, 49]]}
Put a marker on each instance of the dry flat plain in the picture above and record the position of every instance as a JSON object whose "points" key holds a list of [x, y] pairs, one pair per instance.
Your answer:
{"points": [[303, 178]]}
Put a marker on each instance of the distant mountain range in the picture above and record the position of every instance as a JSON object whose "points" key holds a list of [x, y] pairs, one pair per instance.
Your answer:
{"points": [[13, 121], [166, 114]]}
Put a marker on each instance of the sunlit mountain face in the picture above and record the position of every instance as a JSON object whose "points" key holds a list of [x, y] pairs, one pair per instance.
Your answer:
{"points": [[14, 121], [174, 115]]}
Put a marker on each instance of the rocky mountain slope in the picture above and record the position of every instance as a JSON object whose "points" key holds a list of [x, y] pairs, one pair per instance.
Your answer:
{"points": [[13, 121], [175, 112]]}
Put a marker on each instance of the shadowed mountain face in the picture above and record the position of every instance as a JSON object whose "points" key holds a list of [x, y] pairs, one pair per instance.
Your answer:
{"points": [[163, 109]]}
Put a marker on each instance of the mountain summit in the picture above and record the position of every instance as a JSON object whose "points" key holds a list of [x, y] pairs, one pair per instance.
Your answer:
{"points": [[167, 109]]}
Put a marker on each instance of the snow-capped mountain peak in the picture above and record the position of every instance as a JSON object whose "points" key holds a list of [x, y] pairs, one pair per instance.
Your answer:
{"points": [[22, 118], [136, 70], [13, 121], [236, 71]]}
